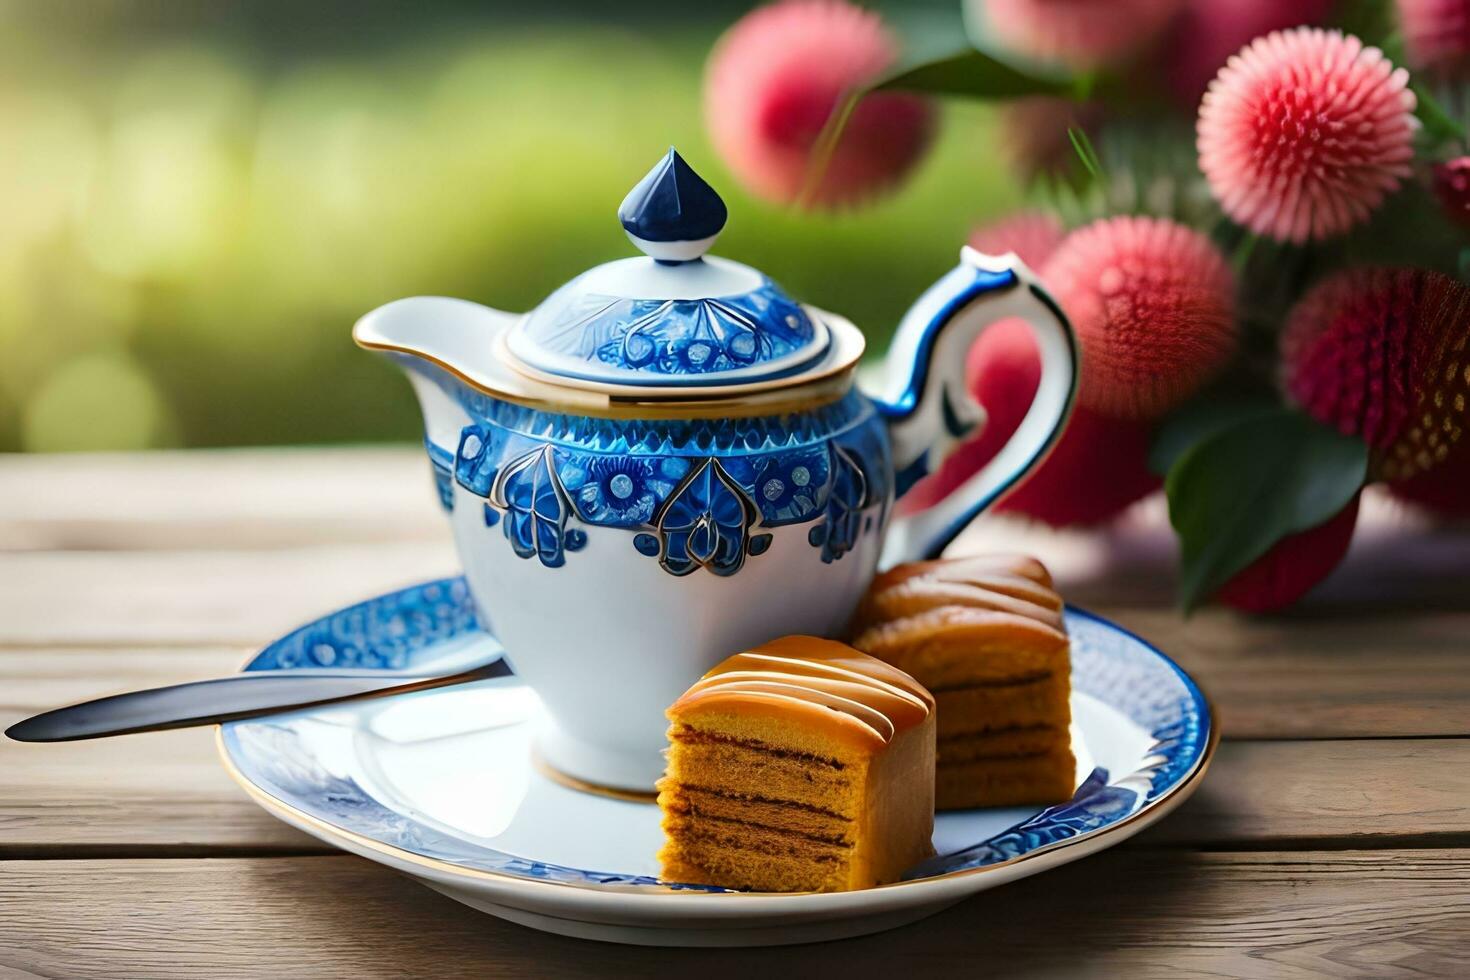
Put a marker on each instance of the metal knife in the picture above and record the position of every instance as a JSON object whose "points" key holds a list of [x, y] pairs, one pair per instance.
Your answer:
{"points": [[253, 694]]}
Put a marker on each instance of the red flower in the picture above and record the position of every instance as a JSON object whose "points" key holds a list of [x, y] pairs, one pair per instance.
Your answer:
{"points": [[1152, 304], [1076, 33], [1098, 467], [1304, 132], [1293, 565], [1444, 490], [1381, 354], [1436, 33], [1452, 187], [772, 83]]}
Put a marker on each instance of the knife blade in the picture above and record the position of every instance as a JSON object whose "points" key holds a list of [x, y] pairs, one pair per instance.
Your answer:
{"points": [[253, 694]]}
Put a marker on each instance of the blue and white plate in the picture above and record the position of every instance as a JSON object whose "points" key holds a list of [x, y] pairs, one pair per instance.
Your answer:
{"points": [[443, 786]]}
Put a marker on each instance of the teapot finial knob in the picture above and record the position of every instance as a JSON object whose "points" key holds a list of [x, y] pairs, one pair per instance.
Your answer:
{"points": [[672, 214]]}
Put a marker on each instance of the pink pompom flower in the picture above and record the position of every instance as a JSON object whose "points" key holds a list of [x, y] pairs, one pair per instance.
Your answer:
{"points": [[1153, 306], [1436, 33], [1304, 132], [1381, 354], [774, 80], [1077, 33]]}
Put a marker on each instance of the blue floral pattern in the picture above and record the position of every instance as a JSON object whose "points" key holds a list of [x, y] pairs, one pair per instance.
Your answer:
{"points": [[693, 492], [790, 488], [396, 630], [382, 633], [705, 523], [844, 520], [621, 491], [442, 464], [536, 508], [474, 462], [659, 338]]}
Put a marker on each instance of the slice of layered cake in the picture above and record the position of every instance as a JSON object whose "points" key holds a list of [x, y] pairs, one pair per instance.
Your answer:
{"points": [[986, 636], [801, 765]]}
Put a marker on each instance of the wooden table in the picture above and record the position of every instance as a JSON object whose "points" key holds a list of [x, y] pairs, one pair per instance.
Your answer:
{"points": [[1332, 835]]}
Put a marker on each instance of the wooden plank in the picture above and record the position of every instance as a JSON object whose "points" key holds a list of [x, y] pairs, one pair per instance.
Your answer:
{"points": [[1357, 672], [1351, 793], [1276, 915], [155, 598], [219, 499], [165, 792], [1354, 673], [286, 498]]}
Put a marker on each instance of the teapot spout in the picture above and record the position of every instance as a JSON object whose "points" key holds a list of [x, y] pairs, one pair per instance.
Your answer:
{"points": [[434, 339]]}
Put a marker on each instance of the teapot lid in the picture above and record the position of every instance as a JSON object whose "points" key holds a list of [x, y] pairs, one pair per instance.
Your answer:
{"points": [[673, 317]]}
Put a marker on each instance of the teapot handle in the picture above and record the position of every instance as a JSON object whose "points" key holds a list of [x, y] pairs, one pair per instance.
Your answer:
{"points": [[930, 409]]}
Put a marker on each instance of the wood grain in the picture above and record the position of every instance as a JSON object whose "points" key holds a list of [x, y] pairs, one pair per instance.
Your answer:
{"points": [[1353, 793], [252, 499], [198, 597], [166, 793], [1332, 836], [1393, 673], [1356, 672], [1277, 915], [216, 499]]}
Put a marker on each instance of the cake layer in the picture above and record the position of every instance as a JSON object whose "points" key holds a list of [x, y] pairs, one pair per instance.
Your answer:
{"points": [[1003, 704], [1048, 777], [802, 819], [1003, 743], [746, 836], [1005, 583], [703, 861], [973, 568], [955, 646], [826, 698], [754, 769]]}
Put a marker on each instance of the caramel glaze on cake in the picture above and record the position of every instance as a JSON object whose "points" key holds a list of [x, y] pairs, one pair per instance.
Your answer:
{"points": [[801, 765], [986, 636]]}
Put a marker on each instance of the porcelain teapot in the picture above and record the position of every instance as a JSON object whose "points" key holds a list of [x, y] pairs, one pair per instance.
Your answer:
{"points": [[667, 461]]}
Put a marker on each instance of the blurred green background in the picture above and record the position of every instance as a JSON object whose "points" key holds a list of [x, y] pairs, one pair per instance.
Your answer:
{"points": [[198, 199]]}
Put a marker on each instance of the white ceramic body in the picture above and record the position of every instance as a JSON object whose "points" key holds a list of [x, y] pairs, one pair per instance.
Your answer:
{"points": [[608, 663], [606, 634], [609, 639]]}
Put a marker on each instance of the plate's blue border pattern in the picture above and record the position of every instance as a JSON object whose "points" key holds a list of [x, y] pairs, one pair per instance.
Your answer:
{"points": [[388, 632]]}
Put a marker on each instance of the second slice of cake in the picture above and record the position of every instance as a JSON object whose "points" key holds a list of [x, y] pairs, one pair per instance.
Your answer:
{"points": [[801, 765], [986, 636]]}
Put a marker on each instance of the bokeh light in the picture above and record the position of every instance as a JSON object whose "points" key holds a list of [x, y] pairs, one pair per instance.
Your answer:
{"points": [[198, 202]]}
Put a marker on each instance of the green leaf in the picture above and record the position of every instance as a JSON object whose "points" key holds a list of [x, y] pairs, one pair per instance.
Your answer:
{"points": [[1085, 151], [1438, 123], [978, 75], [1200, 419], [1250, 484]]}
